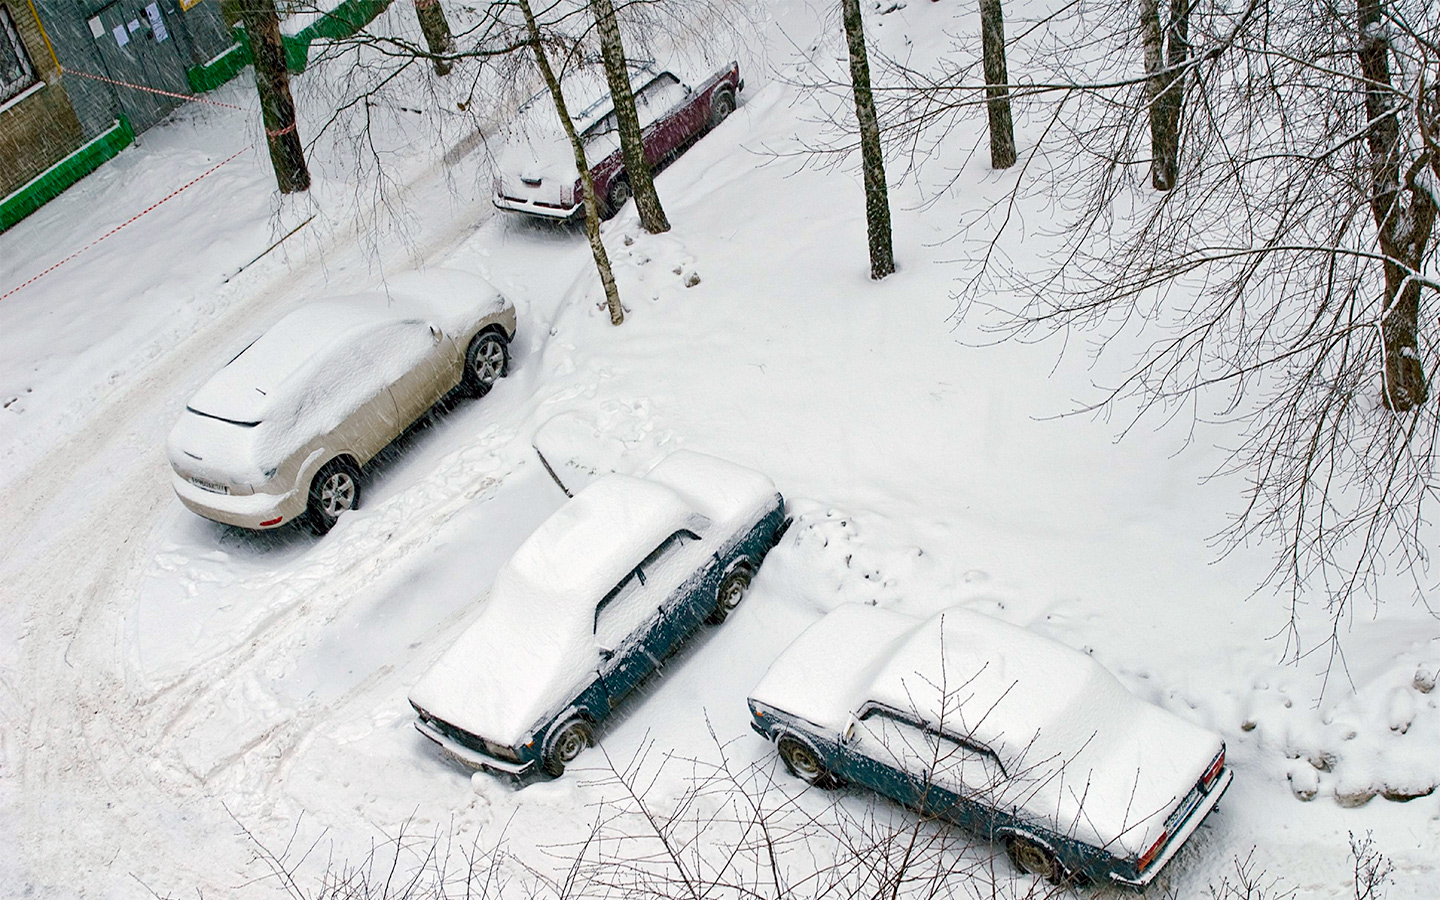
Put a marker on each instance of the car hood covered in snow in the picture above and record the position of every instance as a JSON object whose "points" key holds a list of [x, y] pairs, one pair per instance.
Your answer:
{"points": [[1080, 751]]}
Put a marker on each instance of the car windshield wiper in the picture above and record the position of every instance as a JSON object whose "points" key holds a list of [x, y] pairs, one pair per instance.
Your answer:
{"points": [[221, 418]]}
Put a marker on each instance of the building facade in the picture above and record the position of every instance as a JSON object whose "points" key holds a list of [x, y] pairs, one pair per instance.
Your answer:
{"points": [[64, 70]]}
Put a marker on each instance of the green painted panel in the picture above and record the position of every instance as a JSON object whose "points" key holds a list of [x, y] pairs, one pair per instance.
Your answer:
{"points": [[55, 180], [211, 75]]}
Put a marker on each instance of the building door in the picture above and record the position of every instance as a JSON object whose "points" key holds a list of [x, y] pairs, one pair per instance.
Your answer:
{"points": [[138, 44]]}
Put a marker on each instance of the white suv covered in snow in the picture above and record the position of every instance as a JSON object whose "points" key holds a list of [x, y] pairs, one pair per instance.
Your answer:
{"points": [[281, 431]]}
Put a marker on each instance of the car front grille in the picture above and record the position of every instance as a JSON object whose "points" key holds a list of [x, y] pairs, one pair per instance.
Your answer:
{"points": [[471, 741]]}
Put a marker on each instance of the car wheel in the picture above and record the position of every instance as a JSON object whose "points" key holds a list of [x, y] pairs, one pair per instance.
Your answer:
{"points": [[728, 596], [487, 360], [1033, 859], [619, 193], [569, 742], [334, 490], [804, 763], [721, 107]]}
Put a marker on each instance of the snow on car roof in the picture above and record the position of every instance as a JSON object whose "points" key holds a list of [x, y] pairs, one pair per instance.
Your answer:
{"points": [[997, 683], [587, 97], [591, 542], [534, 643]]}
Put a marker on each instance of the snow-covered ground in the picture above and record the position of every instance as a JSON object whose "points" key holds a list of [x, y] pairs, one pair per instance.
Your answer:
{"points": [[175, 695]]}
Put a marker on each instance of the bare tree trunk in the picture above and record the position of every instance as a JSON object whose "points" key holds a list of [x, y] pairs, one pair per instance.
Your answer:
{"points": [[436, 29], [1403, 228], [1166, 51], [877, 199], [997, 85], [632, 143], [277, 107], [592, 207]]}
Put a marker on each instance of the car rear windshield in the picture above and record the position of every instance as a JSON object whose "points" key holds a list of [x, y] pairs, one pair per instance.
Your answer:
{"points": [[221, 418]]}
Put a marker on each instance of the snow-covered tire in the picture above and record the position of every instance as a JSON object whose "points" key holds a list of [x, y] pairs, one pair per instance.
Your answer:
{"points": [[620, 192], [334, 491], [570, 740], [487, 360], [721, 106], [1033, 859], [729, 594], [803, 762]]}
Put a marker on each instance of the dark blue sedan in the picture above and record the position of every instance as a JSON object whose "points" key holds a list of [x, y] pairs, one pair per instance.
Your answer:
{"points": [[1023, 740], [590, 604]]}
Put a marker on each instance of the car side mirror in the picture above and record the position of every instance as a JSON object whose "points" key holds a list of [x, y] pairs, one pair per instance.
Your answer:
{"points": [[848, 734], [436, 334], [606, 655]]}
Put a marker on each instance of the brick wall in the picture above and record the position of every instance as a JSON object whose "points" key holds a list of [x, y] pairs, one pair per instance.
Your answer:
{"points": [[42, 127]]}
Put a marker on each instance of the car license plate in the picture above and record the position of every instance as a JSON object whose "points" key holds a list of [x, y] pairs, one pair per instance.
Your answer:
{"points": [[210, 486]]}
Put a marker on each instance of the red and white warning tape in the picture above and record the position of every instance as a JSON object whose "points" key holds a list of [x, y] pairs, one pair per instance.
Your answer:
{"points": [[150, 90], [127, 222]]}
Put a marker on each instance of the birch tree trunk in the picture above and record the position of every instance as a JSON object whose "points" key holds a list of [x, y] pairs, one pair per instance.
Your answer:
{"points": [[592, 207], [277, 107], [997, 81], [877, 199], [1404, 228], [1167, 48], [436, 29], [632, 143]]}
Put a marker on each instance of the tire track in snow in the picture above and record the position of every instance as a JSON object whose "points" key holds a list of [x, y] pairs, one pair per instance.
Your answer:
{"points": [[86, 759]]}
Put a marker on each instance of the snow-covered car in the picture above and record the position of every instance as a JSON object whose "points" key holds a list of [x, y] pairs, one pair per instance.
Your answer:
{"points": [[282, 430], [536, 167], [1021, 739], [593, 602]]}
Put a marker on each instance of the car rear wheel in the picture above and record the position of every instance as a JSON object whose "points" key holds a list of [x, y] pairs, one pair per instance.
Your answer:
{"points": [[721, 107], [569, 742], [487, 360], [804, 763], [1033, 859], [619, 193], [728, 596], [334, 490]]}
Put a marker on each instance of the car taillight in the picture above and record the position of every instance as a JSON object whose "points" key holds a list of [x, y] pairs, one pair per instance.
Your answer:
{"points": [[1211, 774], [1154, 851]]}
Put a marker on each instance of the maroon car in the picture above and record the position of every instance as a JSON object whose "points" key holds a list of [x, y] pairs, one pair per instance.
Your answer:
{"points": [[537, 166]]}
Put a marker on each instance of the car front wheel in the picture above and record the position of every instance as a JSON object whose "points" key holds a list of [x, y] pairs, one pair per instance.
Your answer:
{"points": [[1033, 859], [804, 763], [728, 596], [334, 490], [721, 107], [569, 742], [620, 193], [486, 361]]}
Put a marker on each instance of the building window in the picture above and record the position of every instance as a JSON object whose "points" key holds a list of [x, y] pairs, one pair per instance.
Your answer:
{"points": [[16, 71]]}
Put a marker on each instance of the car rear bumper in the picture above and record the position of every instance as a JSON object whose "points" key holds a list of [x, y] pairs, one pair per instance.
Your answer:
{"points": [[536, 207], [255, 511], [472, 758], [1179, 838]]}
